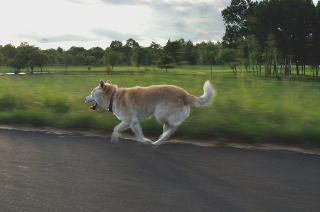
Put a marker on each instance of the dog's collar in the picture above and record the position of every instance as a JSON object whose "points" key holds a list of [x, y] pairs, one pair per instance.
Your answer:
{"points": [[111, 101]]}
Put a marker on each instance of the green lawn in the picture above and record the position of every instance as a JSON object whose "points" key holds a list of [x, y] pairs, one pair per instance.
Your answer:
{"points": [[246, 109], [183, 68]]}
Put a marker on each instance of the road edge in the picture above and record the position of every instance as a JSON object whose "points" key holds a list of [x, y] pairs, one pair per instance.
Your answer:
{"points": [[202, 143]]}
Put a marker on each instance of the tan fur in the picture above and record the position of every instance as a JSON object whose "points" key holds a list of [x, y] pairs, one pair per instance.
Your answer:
{"points": [[168, 103], [140, 98]]}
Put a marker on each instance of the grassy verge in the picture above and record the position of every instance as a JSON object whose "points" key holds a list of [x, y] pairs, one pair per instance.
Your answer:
{"points": [[190, 69], [245, 109]]}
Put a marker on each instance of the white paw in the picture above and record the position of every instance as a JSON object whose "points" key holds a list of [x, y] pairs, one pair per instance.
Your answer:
{"points": [[148, 140], [155, 145], [145, 141], [114, 138]]}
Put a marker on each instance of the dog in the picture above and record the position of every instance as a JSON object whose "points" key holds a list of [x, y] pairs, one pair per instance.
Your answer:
{"points": [[169, 104]]}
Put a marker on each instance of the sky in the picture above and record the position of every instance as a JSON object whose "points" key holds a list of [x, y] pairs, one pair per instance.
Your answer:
{"points": [[91, 23]]}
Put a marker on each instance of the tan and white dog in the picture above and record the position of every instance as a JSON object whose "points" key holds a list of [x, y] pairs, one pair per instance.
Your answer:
{"points": [[169, 104]]}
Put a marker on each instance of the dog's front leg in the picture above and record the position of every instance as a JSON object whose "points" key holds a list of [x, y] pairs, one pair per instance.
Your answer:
{"points": [[117, 131], [136, 128]]}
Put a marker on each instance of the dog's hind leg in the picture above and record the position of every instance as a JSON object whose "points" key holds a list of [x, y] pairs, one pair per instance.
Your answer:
{"points": [[167, 132], [117, 131], [136, 128], [171, 119]]}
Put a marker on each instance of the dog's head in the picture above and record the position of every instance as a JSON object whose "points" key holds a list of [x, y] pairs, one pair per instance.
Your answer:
{"points": [[99, 95]]}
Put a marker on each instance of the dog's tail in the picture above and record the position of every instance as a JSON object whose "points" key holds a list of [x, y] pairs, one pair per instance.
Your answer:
{"points": [[207, 97]]}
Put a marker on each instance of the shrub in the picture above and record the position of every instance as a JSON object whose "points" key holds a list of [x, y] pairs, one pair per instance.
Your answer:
{"points": [[57, 105], [7, 102]]}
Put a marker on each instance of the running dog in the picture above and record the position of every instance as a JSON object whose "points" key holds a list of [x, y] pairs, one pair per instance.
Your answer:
{"points": [[169, 104]]}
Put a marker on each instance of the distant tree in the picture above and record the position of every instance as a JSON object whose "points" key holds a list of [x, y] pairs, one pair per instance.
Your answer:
{"points": [[54, 57], [273, 33], [236, 17], [172, 49], [23, 57], [153, 53], [154, 45], [2, 59], [94, 56], [79, 59], [116, 45], [37, 59], [127, 50], [188, 53], [110, 58], [60, 50], [9, 51], [131, 43], [90, 60], [314, 53], [42, 60], [97, 52], [207, 53], [65, 58], [136, 57], [166, 62], [228, 57], [74, 50]]}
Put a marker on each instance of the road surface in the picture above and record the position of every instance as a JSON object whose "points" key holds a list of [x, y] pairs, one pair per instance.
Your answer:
{"points": [[42, 171]]}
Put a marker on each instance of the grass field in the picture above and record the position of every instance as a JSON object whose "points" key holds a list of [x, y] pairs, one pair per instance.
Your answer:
{"points": [[246, 109], [190, 69], [199, 69]]}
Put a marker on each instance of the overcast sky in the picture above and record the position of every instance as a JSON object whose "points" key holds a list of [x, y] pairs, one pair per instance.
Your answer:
{"points": [[89, 23]]}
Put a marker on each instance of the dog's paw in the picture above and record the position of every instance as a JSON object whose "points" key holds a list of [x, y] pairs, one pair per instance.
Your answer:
{"points": [[155, 145], [115, 139], [145, 141]]}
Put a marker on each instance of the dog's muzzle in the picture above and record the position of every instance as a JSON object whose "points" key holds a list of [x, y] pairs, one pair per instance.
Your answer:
{"points": [[90, 99], [94, 107]]}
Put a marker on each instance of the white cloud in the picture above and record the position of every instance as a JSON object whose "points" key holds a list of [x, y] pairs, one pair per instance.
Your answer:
{"points": [[48, 23]]}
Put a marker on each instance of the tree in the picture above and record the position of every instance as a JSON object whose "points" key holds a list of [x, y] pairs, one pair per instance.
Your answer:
{"points": [[94, 56], [207, 53], [166, 62], [314, 53], [229, 57], [188, 53], [273, 32], [37, 59], [172, 49], [236, 17], [127, 50], [131, 43], [136, 57], [9, 51], [74, 50], [152, 53], [110, 58], [23, 58], [66, 59], [116, 45], [2, 59], [60, 50], [54, 57]]}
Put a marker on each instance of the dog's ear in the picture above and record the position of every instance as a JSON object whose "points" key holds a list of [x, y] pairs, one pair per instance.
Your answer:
{"points": [[109, 82], [102, 85]]}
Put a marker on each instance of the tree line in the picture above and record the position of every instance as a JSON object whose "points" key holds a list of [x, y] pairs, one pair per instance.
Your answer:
{"points": [[117, 54], [273, 35]]}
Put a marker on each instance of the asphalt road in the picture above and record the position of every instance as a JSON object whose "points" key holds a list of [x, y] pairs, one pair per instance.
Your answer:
{"points": [[42, 171]]}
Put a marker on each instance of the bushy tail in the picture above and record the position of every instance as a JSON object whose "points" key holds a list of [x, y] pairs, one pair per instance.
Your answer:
{"points": [[207, 97]]}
